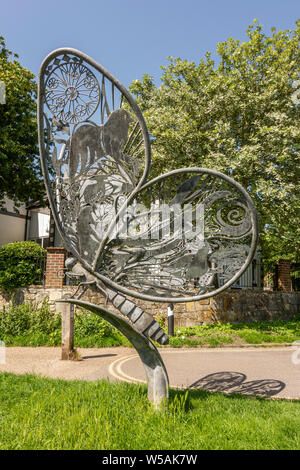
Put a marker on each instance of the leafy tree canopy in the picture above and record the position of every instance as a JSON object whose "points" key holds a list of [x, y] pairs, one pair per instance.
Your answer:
{"points": [[19, 166], [240, 117]]}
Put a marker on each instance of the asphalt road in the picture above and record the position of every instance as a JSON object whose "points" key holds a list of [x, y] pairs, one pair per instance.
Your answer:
{"points": [[268, 372]]}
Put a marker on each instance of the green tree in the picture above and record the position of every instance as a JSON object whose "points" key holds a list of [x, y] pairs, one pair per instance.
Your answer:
{"points": [[239, 117], [19, 166]]}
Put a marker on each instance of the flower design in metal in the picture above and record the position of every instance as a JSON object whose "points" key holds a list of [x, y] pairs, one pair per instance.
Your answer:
{"points": [[186, 235], [72, 91]]}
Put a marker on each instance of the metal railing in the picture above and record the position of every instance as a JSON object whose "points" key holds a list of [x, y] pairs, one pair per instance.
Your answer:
{"points": [[251, 279], [40, 268]]}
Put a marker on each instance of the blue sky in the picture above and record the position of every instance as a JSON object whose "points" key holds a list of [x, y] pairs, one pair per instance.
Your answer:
{"points": [[134, 37]]}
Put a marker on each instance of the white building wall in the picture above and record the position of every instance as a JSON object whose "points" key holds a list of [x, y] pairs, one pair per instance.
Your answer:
{"points": [[39, 225], [12, 224], [12, 229]]}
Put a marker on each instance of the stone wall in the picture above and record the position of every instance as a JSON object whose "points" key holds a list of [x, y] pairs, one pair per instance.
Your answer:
{"points": [[234, 306]]}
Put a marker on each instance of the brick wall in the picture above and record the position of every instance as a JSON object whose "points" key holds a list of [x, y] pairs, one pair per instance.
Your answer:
{"points": [[284, 277], [55, 262]]}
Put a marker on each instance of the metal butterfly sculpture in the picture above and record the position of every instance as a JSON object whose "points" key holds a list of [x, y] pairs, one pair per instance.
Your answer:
{"points": [[183, 236]]}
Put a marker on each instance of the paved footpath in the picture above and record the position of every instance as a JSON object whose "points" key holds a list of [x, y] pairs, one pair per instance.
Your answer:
{"points": [[270, 372]]}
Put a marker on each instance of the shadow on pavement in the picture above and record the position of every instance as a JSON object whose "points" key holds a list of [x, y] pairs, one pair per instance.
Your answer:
{"points": [[98, 355], [234, 382]]}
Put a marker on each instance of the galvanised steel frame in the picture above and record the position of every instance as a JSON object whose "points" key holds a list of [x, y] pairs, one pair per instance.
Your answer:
{"points": [[96, 157]]}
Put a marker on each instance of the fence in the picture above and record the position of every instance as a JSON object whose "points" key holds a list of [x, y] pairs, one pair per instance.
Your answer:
{"points": [[40, 267], [252, 279]]}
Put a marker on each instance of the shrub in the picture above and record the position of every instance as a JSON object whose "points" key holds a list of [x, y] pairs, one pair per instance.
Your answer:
{"points": [[28, 318], [88, 324], [15, 319], [21, 264], [32, 325]]}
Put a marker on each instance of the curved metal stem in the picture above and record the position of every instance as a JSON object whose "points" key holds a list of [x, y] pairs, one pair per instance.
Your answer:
{"points": [[157, 376]]}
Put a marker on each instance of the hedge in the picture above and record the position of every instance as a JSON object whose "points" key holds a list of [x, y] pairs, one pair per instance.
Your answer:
{"points": [[21, 264]]}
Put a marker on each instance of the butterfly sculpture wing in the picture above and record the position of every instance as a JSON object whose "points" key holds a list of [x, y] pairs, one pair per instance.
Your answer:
{"points": [[183, 236], [94, 148]]}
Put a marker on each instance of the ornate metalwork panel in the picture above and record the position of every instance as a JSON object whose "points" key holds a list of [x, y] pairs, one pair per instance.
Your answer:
{"points": [[187, 234], [95, 150], [170, 239], [183, 236]]}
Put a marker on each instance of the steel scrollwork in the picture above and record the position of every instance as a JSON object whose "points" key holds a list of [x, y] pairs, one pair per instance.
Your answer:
{"points": [[183, 236], [72, 90]]}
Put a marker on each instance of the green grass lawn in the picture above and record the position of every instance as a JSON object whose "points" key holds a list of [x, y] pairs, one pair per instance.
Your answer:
{"points": [[41, 413], [230, 334]]}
